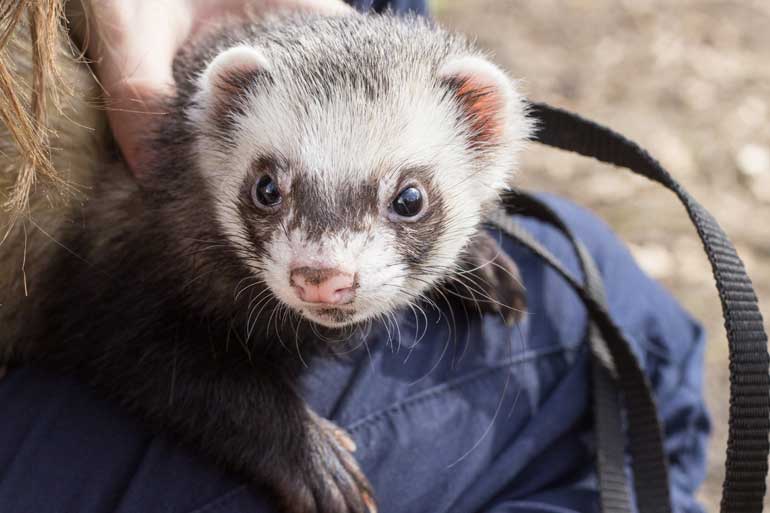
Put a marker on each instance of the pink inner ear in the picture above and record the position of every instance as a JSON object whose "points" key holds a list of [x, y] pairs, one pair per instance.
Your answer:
{"points": [[483, 105]]}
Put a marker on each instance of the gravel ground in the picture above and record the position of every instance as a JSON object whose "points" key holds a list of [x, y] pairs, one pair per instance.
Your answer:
{"points": [[690, 81]]}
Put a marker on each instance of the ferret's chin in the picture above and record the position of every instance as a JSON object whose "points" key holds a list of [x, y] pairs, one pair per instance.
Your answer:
{"points": [[333, 317]]}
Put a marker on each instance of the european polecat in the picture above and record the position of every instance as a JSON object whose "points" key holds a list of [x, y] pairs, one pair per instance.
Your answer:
{"points": [[311, 175]]}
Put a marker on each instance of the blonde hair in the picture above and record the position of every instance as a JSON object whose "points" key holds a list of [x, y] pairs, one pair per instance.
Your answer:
{"points": [[53, 131], [52, 138], [24, 107]]}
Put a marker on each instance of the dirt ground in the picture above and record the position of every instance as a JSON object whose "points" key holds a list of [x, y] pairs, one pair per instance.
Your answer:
{"points": [[690, 81]]}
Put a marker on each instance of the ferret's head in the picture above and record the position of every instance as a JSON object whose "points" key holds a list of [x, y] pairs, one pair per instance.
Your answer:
{"points": [[350, 160]]}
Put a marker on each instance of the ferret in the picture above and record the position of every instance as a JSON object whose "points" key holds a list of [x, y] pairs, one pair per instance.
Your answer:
{"points": [[310, 175]]}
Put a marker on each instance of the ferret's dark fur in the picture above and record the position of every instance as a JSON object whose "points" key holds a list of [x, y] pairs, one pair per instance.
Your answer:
{"points": [[139, 301]]}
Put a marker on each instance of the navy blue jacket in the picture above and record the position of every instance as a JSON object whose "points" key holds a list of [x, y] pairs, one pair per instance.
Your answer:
{"points": [[493, 419]]}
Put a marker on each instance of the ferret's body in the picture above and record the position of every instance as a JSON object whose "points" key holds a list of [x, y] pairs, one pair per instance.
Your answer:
{"points": [[357, 150]]}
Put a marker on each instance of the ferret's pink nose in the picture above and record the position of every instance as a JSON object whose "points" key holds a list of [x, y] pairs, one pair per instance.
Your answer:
{"points": [[329, 286]]}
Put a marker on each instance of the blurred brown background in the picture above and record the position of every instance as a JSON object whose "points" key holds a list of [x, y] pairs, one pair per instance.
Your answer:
{"points": [[687, 79]]}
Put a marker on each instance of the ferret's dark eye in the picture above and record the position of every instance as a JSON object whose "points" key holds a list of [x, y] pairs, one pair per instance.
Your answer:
{"points": [[408, 203], [265, 193]]}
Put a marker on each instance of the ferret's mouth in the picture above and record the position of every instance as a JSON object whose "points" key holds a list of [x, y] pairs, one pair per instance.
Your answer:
{"points": [[330, 316]]}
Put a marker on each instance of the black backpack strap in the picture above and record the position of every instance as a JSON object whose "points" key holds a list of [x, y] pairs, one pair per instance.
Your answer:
{"points": [[614, 368], [747, 444]]}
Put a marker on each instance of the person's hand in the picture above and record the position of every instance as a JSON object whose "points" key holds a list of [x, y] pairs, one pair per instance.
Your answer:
{"points": [[135, 44]]}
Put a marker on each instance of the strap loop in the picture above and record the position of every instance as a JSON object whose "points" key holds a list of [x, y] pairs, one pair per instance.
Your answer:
{"points": [[614, 366], [747, 444]]}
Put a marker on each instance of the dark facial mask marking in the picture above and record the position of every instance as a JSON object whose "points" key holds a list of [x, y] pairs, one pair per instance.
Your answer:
{"points": [[319, 214], [415, 241], [260, 225]]}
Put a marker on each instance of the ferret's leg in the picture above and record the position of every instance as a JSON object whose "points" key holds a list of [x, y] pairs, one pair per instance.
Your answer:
{"points": [[249, 419]]}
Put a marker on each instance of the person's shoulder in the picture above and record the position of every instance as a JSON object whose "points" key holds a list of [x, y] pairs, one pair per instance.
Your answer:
{"points": [[590, 229], [64, 448]]}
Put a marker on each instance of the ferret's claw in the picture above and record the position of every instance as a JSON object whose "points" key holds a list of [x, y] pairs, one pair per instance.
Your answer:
{"points": [[370, 504], [330, 480]]}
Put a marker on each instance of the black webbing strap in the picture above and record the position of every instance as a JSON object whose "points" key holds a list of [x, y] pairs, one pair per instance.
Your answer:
{"points": [[749, 424], [607, 401], [615, 368]]}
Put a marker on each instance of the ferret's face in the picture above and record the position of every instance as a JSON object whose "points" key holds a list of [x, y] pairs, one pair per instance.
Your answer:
{"points": [[351, 195]]}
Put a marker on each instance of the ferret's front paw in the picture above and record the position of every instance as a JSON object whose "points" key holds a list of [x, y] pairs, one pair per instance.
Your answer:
{"points": [[329, 480]]}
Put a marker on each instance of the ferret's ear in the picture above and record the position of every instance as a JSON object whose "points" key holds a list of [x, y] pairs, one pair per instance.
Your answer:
{"points": [[233, 71], [486, 95]]}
